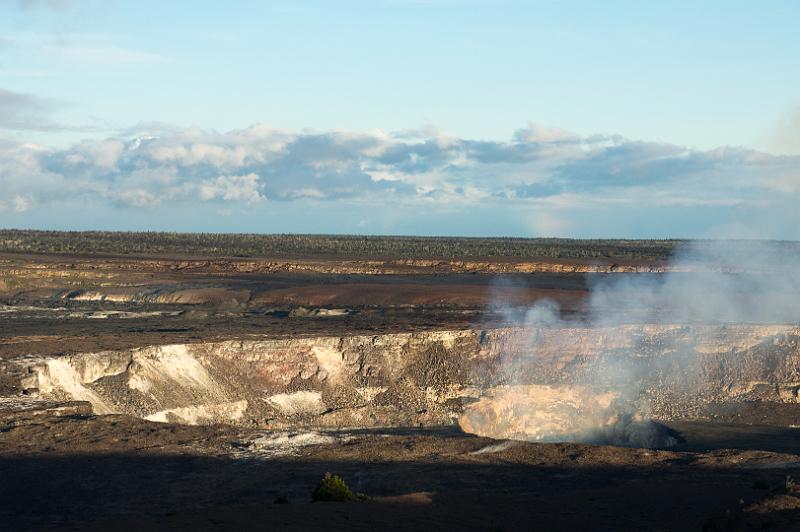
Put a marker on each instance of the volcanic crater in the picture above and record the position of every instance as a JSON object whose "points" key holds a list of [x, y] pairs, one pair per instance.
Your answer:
{"points": [[421, 381]]}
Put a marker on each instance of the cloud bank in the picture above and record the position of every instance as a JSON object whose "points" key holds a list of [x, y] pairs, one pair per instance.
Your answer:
{"points": [[549, 176], [22, 111]]}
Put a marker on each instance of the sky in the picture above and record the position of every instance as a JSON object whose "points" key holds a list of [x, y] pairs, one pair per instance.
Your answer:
{"points": [[614, 119]]}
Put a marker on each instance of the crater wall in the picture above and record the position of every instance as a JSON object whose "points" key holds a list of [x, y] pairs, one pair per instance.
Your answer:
{"points": [[420, 378]]}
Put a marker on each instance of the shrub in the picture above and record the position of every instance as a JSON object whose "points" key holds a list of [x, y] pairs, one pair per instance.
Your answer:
{"points": [[333, 488], [293, 245]]}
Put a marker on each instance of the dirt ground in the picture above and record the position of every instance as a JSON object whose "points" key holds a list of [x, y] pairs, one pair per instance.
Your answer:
{"points": [[113, 472], [47, 310]]}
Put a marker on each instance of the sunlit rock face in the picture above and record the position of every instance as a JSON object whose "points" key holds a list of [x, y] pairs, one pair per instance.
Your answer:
{"points": [[562, 413], [595, 385], [538, 412]]}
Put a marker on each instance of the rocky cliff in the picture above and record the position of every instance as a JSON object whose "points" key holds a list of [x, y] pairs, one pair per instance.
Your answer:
{"points": [[422, 377]]}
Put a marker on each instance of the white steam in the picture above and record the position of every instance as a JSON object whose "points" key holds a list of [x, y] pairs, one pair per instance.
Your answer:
{"points": [[710, 282], [606, 398]]}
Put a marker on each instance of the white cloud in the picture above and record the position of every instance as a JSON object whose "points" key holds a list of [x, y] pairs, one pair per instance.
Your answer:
{"points": [[232, 188], [21, 203], [16, 204], [540, 133], [788, 183], [102, 154], [785, 136], [159, 165], [22, 111], [135, 198]]}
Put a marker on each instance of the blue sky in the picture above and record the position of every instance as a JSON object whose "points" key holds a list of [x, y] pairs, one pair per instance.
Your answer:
{"points": [[537, 118]]}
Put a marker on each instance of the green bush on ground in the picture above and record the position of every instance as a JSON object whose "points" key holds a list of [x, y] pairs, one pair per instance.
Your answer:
{"points": [[333, 488]]}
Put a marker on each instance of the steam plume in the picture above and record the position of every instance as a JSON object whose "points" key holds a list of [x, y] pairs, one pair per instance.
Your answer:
{"points": [[607, 398]]}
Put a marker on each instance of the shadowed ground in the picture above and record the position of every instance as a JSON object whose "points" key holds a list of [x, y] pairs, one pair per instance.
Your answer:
{"points": [[98, 473]]}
